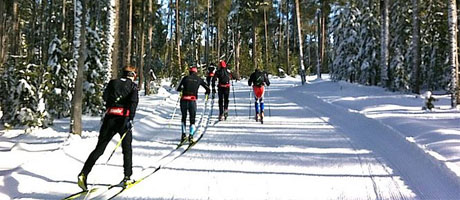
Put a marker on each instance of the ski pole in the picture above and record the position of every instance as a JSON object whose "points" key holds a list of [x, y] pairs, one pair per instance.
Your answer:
{"points": [[175, 108], [234, 100], [111, 154], [118, 144]]}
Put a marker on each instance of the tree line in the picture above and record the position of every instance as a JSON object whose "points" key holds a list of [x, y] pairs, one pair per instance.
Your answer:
{"points": [[57, 55]]}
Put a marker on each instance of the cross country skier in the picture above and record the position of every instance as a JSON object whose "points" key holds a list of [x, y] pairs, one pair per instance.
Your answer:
{"points": [[189, 87], [210, 74], [121, 97], [258, 79], [223, 87]]}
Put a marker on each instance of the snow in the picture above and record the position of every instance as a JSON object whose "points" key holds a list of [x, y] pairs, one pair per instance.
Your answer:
{"points": [[324, 140]]}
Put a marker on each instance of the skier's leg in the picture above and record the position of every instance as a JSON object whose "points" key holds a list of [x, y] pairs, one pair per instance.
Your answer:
{"points": [[183, 110], [221, 102], [127, 152], [192, 110], [261, 100], [226, 96], [105, 135]]}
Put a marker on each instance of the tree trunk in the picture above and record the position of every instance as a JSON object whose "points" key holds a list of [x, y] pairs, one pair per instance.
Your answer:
{"points": [[416, 47], [299, 34], [15, 38], [206, 54], [178, 36], [219, 38], [77, 98], [324, 15], [280, 34], [149, 44], [3, 38], [288, 64], [129, 36], [319, 50], [64, 5], [266, 38], [453, 53], [254, 44], [116, 45], [141, 56], [385, 40]]}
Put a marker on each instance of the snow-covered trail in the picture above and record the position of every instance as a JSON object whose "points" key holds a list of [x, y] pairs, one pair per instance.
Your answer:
{"points": [[308, 148]]}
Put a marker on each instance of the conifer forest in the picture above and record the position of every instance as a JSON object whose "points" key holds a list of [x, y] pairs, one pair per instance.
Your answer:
{"points": [[56, 56]]}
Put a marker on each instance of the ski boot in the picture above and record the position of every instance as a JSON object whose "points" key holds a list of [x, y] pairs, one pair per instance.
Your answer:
{"points": [[126, 182], [82, 181], [262, 117], [225, 114], [221, 117], [257, 117], [191, 140], [183, 138]]}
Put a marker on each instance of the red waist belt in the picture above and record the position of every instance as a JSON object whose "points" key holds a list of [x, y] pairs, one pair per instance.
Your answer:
{"points": [[118, 111], [211, 74], [189, 98], [225, 85]]}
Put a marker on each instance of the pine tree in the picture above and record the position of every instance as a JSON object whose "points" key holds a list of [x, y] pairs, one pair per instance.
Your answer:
{"points": [[96, 75], [57, 82]]}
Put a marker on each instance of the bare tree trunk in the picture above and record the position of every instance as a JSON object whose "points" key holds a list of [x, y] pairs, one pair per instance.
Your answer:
{"points": [[64, 5], [416, 47], [3, 38], [218, 38], [324, 15], [288, 64], [318, 53], [149, 43], [178, 36], [130, 34], [77, 98], [299, 34], [206, 54], [280, 34], [15, 38], [116, 44], [453, 53], [254, 44], [142, 38], [266, 37], [385, 40]]}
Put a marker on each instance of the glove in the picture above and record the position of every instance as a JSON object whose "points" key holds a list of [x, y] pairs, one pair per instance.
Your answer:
{"points": [[129, 124]]}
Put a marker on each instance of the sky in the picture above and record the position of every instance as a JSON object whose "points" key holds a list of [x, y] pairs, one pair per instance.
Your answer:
{"points": [[323, 140]]}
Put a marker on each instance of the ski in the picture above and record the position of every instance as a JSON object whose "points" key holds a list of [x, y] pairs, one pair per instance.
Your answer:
{"points": [[80, 194]]}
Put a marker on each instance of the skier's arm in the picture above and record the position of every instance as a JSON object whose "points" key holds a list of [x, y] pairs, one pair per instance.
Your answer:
{"points": [[206, 87], [134, 100], [267, 82], [251, 79], [214, 78], [105, 94], [180, 86]]}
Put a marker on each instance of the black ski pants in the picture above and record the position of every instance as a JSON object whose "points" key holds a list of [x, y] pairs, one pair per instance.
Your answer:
{"points": [[224, 93], [190, 107], [110, 126]]}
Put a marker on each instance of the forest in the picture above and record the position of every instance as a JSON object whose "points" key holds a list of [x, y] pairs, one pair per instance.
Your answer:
{"points": [[56, 56]]}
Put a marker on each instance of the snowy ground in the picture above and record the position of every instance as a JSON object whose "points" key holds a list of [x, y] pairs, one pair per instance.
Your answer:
{"points": [[324, 140]]}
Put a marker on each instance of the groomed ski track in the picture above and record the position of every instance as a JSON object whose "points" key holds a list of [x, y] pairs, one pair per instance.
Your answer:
{"points": [[307, 149]]}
